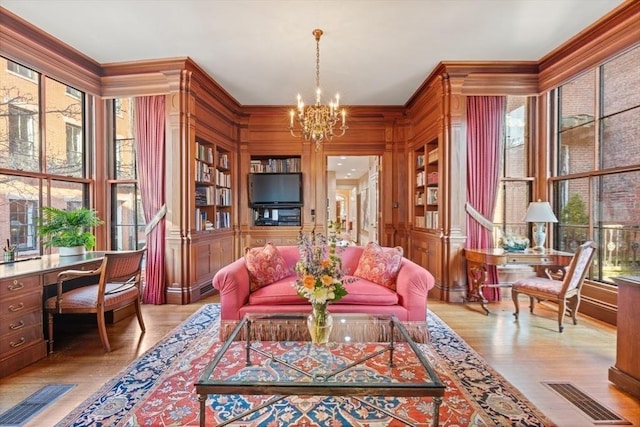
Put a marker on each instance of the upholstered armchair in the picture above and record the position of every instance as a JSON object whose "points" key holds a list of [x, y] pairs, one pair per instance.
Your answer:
{"points": [[564, 291]]}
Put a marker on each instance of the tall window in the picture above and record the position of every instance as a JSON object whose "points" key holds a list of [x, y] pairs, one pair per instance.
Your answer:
{"points": [[515, 183], [38, 169], [597, 176], [22, 222], [127, 231], [74, 144]]}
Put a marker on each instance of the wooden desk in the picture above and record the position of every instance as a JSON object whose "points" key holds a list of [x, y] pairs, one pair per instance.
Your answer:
{"points": [[21, 305], [626, 372], [479, 259]]}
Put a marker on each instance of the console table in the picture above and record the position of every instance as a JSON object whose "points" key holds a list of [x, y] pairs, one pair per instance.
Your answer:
{"points": [[479, 259], [626, 372], [21, 305]]}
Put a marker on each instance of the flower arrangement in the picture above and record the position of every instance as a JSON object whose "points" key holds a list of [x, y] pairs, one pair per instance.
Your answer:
{"points": [[320, 278], [319, 268]]}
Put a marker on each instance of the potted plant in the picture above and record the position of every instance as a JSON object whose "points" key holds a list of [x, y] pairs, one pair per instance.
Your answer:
{"points": [[68, 229]]}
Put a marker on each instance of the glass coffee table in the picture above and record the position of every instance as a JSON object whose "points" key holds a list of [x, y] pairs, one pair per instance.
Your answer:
{"points": [[271, 356]]}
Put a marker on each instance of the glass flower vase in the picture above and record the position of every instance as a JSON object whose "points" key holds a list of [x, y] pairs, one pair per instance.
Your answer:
{"points": [[320, 324]]}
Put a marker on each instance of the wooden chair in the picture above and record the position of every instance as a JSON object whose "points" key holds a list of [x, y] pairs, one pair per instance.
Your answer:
{"points": [[565, 292], [118, 286]]}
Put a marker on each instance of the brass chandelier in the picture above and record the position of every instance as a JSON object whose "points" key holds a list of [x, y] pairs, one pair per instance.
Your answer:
{"points": [[317, 122]]}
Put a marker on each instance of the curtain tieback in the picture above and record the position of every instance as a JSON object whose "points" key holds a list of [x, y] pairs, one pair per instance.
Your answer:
{"points": [[155, 220], [481, 219]]}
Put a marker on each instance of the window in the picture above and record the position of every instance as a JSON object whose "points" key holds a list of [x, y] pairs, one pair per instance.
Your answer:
{"points": [[515, 184], [127, 214], [20, 70], [74, 144], [64, 131], [597, 178], [22, 138], [73, 92], [38, 168], [22, 221]]}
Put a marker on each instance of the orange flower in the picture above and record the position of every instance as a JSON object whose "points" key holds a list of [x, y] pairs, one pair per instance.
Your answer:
{"points": [[309, 281], [325, 263], [327, 280]]}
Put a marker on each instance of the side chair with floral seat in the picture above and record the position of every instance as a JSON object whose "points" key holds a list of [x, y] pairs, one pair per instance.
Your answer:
{"points": [[118, 285], [564, 291]]}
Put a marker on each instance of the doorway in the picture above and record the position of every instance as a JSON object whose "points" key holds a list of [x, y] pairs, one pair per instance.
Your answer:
{"points": [[352, 196]]}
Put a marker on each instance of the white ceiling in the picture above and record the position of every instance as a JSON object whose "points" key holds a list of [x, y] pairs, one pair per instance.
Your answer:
{"points": [[375, 52]]}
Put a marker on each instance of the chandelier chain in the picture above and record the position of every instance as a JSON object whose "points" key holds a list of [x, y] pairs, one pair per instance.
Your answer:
{"points": [[317, 121], [318, 61]]}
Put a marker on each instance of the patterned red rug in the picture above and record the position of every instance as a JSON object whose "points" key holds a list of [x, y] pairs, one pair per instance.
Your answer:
{"points": [[157, 390]]}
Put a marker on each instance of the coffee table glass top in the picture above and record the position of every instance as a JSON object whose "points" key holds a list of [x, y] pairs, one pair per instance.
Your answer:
{"points": [[366, 355]]}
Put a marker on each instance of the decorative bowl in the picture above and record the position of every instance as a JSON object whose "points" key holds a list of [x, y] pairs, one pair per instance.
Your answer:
{"points": [[514, 243]]}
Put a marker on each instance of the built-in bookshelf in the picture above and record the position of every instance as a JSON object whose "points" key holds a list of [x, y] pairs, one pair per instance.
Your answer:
{"points": [[275, 164], [213, 187], [426, 186]]}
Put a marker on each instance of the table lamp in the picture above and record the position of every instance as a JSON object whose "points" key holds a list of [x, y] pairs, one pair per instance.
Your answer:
{"points": [[539, 213]]}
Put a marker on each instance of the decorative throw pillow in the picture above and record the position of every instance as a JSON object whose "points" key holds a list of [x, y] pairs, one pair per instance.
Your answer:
{"points": [[265, 266], [380, 265]]}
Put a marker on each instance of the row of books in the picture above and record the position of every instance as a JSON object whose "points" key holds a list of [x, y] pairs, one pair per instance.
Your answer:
{"points": [[203, 171], [223, 179], [429, 220], [223, 196], [223, 160], [202, 222], [222, 220], [433, 156], [432, 178], [204, 153], [205, 196], [291, 164]]}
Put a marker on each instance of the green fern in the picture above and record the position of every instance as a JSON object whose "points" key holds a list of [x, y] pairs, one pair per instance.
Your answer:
{"points": [[62, 228]]}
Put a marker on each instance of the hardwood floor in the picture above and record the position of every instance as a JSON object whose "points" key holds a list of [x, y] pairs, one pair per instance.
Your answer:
{"points": [[525, 353]]}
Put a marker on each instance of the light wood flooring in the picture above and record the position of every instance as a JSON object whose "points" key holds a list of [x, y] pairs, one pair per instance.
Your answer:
{"points": [[525, 353]]}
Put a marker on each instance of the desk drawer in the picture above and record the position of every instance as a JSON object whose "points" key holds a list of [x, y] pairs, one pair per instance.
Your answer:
{"points": [[530, 260], [18, 321], [20, 339], [10, 308], [18, 285]]}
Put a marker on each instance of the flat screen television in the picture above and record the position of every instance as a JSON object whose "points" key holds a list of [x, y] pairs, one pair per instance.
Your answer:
{"points": [[275, 189]]}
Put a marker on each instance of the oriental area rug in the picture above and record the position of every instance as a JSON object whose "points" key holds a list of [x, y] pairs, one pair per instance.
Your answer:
{"points": [[157, 389]]}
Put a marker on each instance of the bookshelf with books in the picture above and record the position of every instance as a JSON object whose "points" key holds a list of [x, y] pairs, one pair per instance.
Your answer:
{"points": [[426, 186], [223, 196], [425, 242], [213, 187]]}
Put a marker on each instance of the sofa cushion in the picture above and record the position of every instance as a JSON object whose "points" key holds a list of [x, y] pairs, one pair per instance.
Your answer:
{"points": [[360, 292], [380, 265], [265, 266]]}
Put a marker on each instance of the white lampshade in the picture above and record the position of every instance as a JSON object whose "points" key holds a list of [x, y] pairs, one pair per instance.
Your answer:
{"points": [[540, 212]]}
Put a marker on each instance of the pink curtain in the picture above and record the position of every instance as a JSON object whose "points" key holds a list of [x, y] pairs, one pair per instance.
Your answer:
{"points": [[150, 137], [485, 119]]}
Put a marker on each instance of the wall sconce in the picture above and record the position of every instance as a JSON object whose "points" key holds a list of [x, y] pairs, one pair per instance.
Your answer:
{"points": [[540, 213]]}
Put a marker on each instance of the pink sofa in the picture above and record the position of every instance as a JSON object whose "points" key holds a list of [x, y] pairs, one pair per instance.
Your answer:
{"points": [[408, 302]]}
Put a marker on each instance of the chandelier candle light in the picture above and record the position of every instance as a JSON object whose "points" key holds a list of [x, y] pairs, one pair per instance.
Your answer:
{"points": [[540, 213], [317, 122]]}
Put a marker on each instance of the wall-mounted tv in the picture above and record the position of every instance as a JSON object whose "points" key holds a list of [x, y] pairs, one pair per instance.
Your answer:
{"points": [[275, 189]]}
